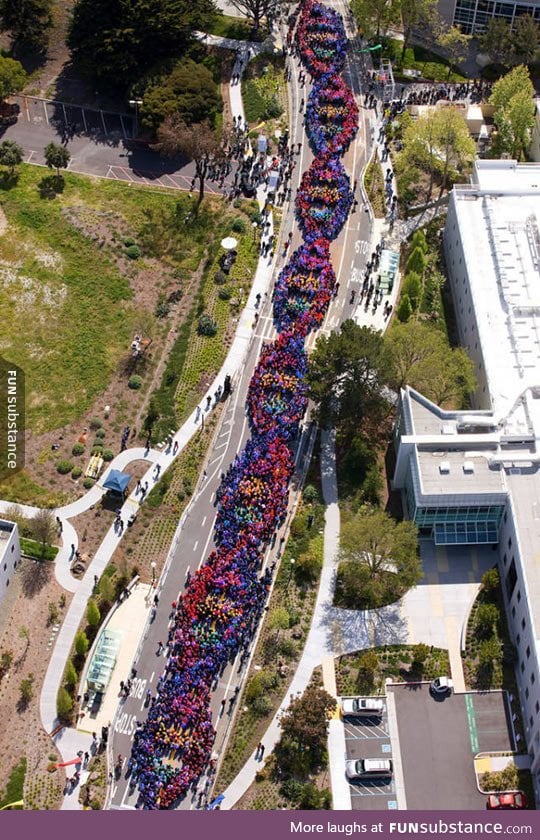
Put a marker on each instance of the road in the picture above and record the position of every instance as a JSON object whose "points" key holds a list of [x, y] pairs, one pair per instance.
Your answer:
{"points": [[350, 254], [100, 143]]}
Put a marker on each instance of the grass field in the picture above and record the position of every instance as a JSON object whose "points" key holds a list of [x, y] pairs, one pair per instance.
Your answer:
{"points": [[67, 311]]}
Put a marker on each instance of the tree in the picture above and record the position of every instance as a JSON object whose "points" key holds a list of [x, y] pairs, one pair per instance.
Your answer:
{"points": [[304, 727], [308, 566], [81, 643], [92, 613], [43, 528], [417, 261], [368, 665], [374, 17], [346, 373], [420, 654], [117, 43], [199, 142], [514, 115], [11, 155], [415, 13], [70, 674], [188, 92], [496, 41], [525, 39], [28, 22], [419, 355], [405, 308], [491, 580], [26, 689], [386, 550], [12, 77], [53, 612], [489, 652], [487, 616], [412, 289], [64, 704], [106, 589], [456, 44], [56, 157], [256, 10]]}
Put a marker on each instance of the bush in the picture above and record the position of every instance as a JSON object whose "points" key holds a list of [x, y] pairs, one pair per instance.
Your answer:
{"points": [[81, 643], [490, 580], [76, 472], [225, 293], [93, 615], [64, 704], [220, 277], [95, 424], [262, 705], [273, 109], [163, 308], [133, 252], [64, 467], [78, 449], [70, 675], [135, 382], [129, 241], [239, 225], [101, 433], [107, 454], [412, 286], [207, 326], [310, 494], [88, 483], [404, 310], [97, 449]]}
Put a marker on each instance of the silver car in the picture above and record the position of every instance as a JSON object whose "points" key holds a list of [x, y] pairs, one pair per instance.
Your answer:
{"points": [[362, 707], [369, 768]]}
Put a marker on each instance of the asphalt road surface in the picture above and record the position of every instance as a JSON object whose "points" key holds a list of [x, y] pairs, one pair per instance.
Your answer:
{"points": [[350, 254]]}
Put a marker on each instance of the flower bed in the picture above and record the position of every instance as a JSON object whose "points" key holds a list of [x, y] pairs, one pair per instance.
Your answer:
{"points": [[331, 116], [324, 199]]}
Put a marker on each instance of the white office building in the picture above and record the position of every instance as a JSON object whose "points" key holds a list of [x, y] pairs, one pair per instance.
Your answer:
{"points": [[10, 554], [472, 477]]}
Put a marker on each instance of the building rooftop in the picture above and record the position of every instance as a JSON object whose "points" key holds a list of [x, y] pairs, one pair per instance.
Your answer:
{"points": [[501, 241], [445, 473]]}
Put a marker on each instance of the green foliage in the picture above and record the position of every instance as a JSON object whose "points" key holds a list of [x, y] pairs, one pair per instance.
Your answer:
{"points": [[6, 659], [133, 252], [28, 22], [405, 309], [308, 566], [117, 43], [238, 225], [81, 643], [368, 664], [491, 580], [220, 277], [34, 549], [225, 293], [489, 651], [304, 725], [375, 16], [506, 779], [135, 382], [512, 97], [101, 433], [416, 263], [64, 704], [206, 326], [508, 45], [88, 483], [487, 616], [77, 449], [310, 493], [12, 77], [107, 455], [412, 288], [419, 240], [56, 157], [95, 424], [64, 466], [374, 185], [188, 91], [70, 675], [15, 786], [93, 615], [11, 155], [26, 690]]}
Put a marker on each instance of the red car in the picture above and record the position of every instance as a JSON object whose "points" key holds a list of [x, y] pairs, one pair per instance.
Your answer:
{"points": [[507, 801]]}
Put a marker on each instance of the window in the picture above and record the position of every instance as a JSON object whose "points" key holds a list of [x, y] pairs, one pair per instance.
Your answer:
{"points": [[527, 693], [528, 651], [509, 542], [533, 678], [523, 624], [513, 612], [519, 596], [537, 707], [511, 579], [518, 639], [522, 666], [505, 517], [12, 549]]}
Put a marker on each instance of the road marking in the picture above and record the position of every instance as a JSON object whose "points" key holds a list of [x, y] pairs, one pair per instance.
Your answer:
{"points": [[152, 677], [46, 114], [195, 544], [471, 720], [103, 122], [204, 520]]}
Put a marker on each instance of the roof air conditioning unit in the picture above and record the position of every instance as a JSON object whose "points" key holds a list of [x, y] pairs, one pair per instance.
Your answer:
{"points": [[444, 467]]}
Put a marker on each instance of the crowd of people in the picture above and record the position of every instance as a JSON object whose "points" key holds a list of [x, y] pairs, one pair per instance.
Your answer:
{"points": [[324, 198], [331, 116], [216, 616], [277, 395], [304, 288]]}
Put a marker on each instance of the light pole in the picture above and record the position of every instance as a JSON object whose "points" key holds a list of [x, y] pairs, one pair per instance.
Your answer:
{"points": [[254, 225], [136, 103], [153, 567]]}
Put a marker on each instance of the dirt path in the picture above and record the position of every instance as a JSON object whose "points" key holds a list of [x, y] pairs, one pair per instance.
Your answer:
{"points": [[3, 221]]}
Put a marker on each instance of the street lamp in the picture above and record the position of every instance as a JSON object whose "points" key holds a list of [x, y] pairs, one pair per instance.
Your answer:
{"points": [[254, 225], [136, 103], [153, 567]]}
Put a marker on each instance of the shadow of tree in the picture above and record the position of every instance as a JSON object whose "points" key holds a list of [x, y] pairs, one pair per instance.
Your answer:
{"points": [[50, 186], [35, 574], [8, 180]]}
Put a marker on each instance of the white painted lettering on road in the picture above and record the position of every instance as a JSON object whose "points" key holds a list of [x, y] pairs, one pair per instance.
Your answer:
{"points": [[126, 724]]}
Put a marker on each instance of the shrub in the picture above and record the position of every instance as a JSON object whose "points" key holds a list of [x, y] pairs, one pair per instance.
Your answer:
{"points": [[26, 688], [95, 424], [133, 252], [207, 326], [70, 674], [239, 225], [135, 382], [88, 483], [107, 454], [225, 293], [64, 467], [412, 286], [129, 241], [163, 308], [101, 433], [78, 449], [487, 616], [262, 705], [92, 613], [310, 494], [404, 310], [273, 109], [97, 449], [64, 704], [490, 579], [220, 277], [76, 472], [81, 643], [417, 261]]}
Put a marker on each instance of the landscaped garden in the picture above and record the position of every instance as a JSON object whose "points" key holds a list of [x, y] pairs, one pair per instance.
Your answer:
{"points": [[264, 92], [428, 64], [366, 672]]}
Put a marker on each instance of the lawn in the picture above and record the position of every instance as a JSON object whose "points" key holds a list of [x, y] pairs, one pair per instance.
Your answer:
{"points": [[431, 66], [58, 280], [227, 26]]}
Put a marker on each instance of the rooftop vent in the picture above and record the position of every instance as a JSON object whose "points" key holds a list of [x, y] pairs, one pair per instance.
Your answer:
{"points": [[449, 428], [444, 467], [468, 467]]}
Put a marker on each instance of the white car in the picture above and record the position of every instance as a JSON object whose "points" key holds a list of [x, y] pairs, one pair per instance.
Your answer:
{"points": [[362, 707], [369, 768], [442, 685]]}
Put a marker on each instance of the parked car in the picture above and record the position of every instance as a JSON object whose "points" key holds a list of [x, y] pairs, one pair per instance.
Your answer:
{"points": [[507, 801], [369, 768], [441, 685], [362, 707]]}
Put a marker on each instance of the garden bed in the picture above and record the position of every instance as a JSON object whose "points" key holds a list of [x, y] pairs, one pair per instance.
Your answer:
{"points": [[374, 184], [366, 672]]}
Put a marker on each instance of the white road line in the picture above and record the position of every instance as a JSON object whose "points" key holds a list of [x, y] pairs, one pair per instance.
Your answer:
{"points": [[84, 121], [152, 677], [195, 544], [46, 114], [27, 108], [204, 520]]}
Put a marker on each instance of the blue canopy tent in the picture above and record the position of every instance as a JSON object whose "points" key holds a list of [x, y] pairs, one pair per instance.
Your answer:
{"points": [[117, 482]]}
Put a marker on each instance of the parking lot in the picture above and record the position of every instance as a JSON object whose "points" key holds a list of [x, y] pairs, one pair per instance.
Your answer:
{"points": [[438, 739], [75, 119], [368, 737]]}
